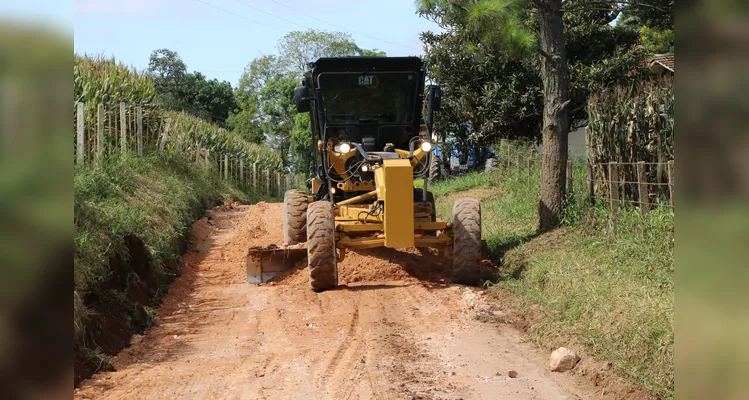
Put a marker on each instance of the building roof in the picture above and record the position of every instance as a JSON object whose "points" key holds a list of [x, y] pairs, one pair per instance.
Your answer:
{"points": [[664, 60]]}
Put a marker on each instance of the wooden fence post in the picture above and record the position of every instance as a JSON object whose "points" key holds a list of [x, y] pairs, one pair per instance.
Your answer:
{"points": [[165, 135], [254, 176], [591, 184], [521, 161], [241, 172], [226, 167], [569, 177], [643, 188], [80, 122], [139, 126], [530, 160], [123, 129], [278, 184], [671, 181], [614, 189], [197, 152], [509, 154], [267, 182], [179, 141], [99, 134]]}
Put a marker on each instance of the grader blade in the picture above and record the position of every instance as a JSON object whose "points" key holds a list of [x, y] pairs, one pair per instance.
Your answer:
{"points": [[265, 262]]}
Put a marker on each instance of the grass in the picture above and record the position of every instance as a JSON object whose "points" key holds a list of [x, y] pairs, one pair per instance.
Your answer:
{"points": [[607, 292], [152, 199]]}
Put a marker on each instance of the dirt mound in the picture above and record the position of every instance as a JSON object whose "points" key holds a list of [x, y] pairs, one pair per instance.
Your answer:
{"points": [[422, 265]]}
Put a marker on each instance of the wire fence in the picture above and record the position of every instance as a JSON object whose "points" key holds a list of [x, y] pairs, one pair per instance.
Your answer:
{"points": [[123, 130], [645, 185]]}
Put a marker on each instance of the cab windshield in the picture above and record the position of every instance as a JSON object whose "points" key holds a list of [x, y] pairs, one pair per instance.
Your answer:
{"points": [[377, 97]]}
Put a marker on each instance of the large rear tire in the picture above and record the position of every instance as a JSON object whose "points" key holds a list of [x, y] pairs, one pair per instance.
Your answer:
{"points": [[466, 264], [321, 250], [294, 217], [435, 169]]}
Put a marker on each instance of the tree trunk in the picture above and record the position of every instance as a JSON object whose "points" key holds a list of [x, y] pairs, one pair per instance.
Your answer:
{"points": [[555, 129]]}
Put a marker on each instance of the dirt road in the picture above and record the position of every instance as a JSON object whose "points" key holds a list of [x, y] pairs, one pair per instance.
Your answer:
{"points": [[393, 330]]}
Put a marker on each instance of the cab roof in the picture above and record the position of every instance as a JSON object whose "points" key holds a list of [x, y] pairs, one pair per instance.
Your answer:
{"points": [[357, 64]]}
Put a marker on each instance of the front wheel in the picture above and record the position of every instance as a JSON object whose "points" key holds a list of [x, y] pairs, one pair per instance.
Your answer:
{"points": [[466, 263], [321, 250], [294, 217]]}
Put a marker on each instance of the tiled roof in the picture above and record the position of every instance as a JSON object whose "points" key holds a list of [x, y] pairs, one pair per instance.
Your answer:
{"points": [[666, 60]]}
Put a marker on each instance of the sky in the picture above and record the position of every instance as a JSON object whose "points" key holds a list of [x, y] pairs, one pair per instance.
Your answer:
{"points": [[221, 37]]}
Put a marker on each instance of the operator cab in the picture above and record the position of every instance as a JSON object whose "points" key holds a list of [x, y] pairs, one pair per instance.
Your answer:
{"points": [[373, 104]]}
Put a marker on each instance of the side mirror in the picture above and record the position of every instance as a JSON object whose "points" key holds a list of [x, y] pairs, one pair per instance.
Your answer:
{"points": [[435, 97], [301, 98]]}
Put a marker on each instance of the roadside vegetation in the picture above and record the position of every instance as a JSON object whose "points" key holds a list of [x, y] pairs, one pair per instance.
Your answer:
{"points": [[131, 221], [608, 292], [132, 214]]}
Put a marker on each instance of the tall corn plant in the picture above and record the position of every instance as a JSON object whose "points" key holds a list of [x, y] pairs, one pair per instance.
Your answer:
{"points": [[101, 80], [217, 140], [632, 123]]}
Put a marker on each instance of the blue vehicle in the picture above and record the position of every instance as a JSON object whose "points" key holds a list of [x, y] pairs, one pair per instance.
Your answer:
{"points": [[437, 170]]}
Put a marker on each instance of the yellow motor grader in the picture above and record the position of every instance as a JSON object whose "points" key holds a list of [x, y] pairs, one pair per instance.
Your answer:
{"points": [[370, 143]]}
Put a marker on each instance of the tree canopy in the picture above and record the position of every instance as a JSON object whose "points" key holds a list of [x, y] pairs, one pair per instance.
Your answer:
{"points": [[499, 90], [193, 93], [265, 93]]}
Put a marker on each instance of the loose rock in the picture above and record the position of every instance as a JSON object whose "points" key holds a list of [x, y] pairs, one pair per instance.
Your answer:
{"points": [[512, 374], [563, 359], [469, 299]]}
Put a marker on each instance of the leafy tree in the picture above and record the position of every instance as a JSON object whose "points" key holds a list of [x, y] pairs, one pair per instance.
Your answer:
{"points": [[209, 99], [522, 38], [299, 48], [249, 118], [169, 73], [176, 89], [265, 93], [301, 151], [278, 110], [656, 14]]}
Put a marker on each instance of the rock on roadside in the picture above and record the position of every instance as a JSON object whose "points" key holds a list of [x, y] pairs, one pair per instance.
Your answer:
{"points": [[469, 299], [563, 359]]}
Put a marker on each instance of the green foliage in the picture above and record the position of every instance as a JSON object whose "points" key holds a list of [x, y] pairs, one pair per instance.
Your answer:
{"points": [[265, 94], [657, 42], [298, 48], [189, 92], [101, 80], [301, 151], [658, 14], [217, 140], [500, 93]]}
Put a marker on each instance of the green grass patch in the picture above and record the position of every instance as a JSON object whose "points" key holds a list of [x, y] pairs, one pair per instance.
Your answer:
{"points": [[608, 291]]}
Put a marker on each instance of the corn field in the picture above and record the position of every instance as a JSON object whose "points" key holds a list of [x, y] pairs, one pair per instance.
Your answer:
{"points": [[115, 115], [631, 124]]}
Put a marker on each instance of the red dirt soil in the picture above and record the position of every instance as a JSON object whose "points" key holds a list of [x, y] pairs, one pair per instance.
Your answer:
{"points": [[394, 329]]}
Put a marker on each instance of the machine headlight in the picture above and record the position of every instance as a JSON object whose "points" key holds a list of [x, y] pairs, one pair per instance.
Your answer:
{"points": [[365, 168], [426, 146], [345, 148]]}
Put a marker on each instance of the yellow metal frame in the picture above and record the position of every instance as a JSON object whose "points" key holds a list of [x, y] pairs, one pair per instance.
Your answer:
{"points": [[404, 222]]}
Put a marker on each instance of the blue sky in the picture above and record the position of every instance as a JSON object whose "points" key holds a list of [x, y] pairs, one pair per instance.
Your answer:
{"points": [[220, 44]]}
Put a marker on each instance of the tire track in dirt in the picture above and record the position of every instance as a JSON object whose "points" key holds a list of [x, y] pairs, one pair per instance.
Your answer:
{"points": [[394, 329]]}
